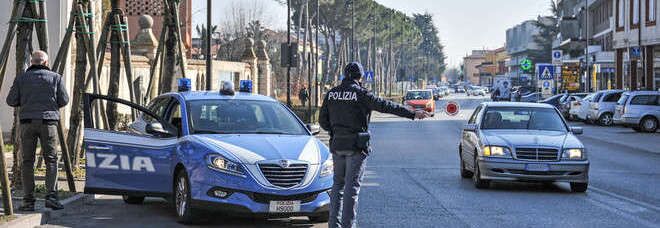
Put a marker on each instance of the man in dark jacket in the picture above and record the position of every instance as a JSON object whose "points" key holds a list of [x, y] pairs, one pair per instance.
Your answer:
{"points": [[345, 115], [39, 94]]}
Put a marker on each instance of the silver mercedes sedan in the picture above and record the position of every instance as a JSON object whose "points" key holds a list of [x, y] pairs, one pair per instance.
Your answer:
{"points": [[512, 141]]}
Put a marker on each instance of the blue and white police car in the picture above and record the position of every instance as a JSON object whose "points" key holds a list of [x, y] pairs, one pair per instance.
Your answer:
{"points": [[234, 153]]}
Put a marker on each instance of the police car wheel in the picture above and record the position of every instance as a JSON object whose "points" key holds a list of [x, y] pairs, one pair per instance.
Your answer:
{"points": [[133, 199], [182, 205], [320, 218]]}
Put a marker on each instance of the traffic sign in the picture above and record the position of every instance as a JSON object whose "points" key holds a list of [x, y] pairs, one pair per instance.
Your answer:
{"points": [[545, 71], [526, 64], [369, 76], [557, 57], [635, 52], [452, 108]]}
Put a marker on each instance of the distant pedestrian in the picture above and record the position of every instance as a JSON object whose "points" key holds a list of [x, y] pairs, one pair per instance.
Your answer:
{"points": [[39, 93], [303, 95]]}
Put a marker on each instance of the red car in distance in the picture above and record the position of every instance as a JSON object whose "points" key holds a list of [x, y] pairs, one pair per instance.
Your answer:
{"points": [[420, 99]]}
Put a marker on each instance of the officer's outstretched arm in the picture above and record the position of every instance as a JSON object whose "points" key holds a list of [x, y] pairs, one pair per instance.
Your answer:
{"points": [[385, 106], [324, 118]]}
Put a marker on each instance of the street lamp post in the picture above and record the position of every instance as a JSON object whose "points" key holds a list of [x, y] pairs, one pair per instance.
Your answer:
{"points": [[209, 61], [288, 46]]}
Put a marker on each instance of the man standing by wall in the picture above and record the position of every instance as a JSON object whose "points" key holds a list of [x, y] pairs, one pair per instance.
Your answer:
{"points": [[345, 114], [39, 94]]}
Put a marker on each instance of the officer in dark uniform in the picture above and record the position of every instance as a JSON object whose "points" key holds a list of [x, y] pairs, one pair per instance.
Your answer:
{"points": [[345, 115]]}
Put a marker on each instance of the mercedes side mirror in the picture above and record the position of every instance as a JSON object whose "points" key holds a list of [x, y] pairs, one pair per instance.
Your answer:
{"points": [[157, 130], [470, 127], [577, 130], [314, 129]]}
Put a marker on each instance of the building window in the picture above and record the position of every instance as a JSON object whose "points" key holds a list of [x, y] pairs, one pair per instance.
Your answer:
{"points": [[634, 14], [650, 12], [620, 16]]}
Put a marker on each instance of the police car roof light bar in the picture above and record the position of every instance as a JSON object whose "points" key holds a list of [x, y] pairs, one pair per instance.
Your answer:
{"points": [[184, 84]]}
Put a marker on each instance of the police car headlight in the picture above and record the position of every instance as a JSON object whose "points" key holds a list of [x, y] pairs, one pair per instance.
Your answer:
{"points": [[219, 163], [327, 168]]}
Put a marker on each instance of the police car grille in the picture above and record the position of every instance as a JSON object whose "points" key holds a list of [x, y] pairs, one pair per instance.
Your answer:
{"points": [[284, 177], [537, 154]]}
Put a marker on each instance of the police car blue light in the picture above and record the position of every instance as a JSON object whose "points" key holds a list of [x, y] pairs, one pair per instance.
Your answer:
{"points": [[238, 153]]}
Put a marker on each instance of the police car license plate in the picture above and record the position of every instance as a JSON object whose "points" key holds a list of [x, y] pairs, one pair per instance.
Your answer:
{"points": [[284, 206], [537, 167]]}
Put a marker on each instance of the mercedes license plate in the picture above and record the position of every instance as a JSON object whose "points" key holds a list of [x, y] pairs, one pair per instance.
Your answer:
{"points": [[284, 206], [537, 167]]}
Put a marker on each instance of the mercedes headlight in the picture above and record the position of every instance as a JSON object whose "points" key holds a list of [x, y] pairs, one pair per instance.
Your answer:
{"points": [[327, 167], [496, 151], [220, 163], [574, 154]]}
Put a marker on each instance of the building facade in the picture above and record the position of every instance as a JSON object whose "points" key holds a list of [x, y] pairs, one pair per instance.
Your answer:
{"points": [[520, 44], [636, 44], [574, 35], [470, 66], [494, 66]]}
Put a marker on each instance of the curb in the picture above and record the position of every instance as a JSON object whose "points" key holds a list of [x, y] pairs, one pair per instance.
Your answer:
{"points": [[42, 217]]}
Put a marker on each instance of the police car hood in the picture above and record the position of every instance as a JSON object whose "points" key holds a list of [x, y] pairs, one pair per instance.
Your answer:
{"points": [[250, 149]]}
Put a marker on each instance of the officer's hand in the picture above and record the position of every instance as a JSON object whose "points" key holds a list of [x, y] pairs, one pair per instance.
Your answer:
{"points": [[422, 115]]}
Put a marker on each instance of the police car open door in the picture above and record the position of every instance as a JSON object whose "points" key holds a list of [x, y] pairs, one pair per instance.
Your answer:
{"points": [[130, 159]]}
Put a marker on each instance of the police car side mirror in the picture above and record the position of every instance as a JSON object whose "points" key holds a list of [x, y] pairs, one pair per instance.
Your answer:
{"points": [[314, 129], [157, 130]]}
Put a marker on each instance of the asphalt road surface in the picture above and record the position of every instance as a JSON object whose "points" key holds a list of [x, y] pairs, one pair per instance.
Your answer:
{"points": [[412, 180]]}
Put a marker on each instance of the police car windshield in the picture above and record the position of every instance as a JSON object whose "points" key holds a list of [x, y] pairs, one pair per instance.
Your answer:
{"points": [[242, 117], [418, 95]]}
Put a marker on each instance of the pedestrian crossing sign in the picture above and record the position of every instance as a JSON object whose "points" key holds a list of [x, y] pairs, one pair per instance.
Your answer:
{"points": [[545, 71]]}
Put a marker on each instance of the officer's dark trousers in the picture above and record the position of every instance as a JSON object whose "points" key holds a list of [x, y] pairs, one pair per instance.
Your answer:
{"points": [[46, 133], [348, 170]]}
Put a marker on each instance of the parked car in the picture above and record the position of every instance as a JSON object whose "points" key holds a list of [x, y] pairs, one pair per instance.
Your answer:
{"points": [[532, 97], [639, 110], [601, 110], [437, 94], [584, 105], [476, 91], [460, 89], [512, 141], [420, 99], [555, 100], [569, 102]]}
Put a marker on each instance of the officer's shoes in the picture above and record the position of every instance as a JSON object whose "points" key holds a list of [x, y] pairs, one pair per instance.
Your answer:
{"points": [[54, 204], [27, 206]]}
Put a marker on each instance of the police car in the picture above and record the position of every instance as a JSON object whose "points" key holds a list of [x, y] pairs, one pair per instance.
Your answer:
{"points": [[235, 153]]}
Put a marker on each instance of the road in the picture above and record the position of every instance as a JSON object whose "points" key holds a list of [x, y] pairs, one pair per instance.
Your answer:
{"points": [[412, 180]]}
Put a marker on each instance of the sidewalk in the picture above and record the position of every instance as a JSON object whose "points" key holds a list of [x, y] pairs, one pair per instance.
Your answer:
{"points": [[649, 142]]}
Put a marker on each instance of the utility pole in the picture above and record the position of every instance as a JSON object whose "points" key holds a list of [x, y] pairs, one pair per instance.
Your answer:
{"points": [[209, 61], [288, 42], [316, 57], [586, 47]]}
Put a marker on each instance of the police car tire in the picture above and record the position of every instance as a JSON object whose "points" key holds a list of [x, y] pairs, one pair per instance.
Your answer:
{"points": [[320, 218], [133, 199], [188, 212]]}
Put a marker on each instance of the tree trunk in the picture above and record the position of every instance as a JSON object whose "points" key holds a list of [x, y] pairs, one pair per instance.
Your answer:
{"points": [[115, 73], [166, 85], [73, 139], [23, 43]]}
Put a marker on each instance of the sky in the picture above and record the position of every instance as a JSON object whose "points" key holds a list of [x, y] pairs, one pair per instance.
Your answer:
{"points": [[463, 25]]}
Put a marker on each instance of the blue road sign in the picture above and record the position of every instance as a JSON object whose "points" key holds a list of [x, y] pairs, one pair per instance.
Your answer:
{"points": [[635, 52], [556, 54], [369, 76], [545, 71], [546, 84]]}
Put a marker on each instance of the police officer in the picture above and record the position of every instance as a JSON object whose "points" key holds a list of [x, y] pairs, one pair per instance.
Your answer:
{"points": [[345, 115], [39, 94]]}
